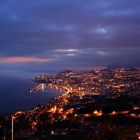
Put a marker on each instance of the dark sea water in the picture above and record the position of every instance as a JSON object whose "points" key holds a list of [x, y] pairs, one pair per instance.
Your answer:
{"points": [[14, 92]]}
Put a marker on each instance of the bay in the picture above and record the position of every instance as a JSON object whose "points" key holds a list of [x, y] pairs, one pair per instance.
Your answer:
{"points": [[14, 92]]}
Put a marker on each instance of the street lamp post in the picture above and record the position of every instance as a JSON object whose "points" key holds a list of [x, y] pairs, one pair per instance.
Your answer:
{"points": [[13, 127]]}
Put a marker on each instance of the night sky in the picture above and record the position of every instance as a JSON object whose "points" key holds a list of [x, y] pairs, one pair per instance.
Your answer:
{"points": [[40, 35]]}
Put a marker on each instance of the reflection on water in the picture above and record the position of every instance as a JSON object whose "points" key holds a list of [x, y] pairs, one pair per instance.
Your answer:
{"points": [[14, 93]]}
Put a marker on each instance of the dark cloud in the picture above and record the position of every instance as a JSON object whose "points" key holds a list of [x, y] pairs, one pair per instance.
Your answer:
{"points": [[103, 32]]}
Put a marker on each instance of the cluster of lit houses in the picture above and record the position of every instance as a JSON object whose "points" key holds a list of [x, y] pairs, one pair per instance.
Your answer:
{"points": [[117, 81]]}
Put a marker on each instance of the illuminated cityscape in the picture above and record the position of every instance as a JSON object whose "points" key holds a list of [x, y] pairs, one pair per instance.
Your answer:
{"points": [[93, 104]]}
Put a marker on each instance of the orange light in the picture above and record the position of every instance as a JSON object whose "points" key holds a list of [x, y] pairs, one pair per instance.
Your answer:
{"points": [[113, 113], [98, 113], [95, 112], [86, 115]]}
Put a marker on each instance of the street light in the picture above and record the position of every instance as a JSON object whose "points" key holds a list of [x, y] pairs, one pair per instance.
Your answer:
{"points": [[13, 127]]}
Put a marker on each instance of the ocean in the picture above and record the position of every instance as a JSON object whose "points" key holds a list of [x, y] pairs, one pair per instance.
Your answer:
{"points": [[14, 92]]}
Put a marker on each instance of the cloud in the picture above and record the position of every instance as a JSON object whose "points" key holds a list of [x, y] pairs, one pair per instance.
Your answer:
{"points": [[70, 54], [103, 53], [23, 59], [67, 50]]}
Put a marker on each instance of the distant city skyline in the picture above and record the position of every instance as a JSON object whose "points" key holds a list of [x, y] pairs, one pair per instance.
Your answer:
{"points": [[42, 35]]}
